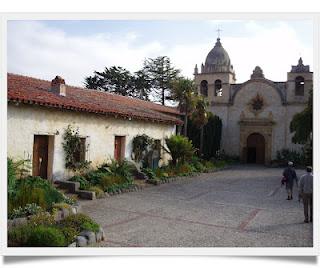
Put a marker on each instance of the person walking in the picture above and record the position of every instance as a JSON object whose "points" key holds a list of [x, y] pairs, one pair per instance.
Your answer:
{"points": [[290, 176], [305, 191]]}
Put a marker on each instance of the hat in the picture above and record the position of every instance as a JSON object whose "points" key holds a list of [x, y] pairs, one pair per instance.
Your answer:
{"points": [[309, 169], [290, 163]]}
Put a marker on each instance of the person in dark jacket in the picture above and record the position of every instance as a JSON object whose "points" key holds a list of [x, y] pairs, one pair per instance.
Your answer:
{"points": [[290, 177]]}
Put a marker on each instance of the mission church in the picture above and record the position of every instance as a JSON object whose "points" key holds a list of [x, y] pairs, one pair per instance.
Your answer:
{"points": [[256, 114]]}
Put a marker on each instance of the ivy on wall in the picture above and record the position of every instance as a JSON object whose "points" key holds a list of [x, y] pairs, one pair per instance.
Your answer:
{"points": [[72, 146]]}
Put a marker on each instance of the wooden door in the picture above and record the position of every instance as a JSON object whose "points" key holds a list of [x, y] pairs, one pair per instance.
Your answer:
{"points": [[119, 148], [40, 156], [256, 149]]}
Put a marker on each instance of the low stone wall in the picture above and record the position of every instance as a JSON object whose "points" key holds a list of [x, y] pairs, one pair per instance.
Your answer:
{"points": [[88, 238]]}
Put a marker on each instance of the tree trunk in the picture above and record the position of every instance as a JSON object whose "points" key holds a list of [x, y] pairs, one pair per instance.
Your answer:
{"points": [[201, 141], [185, 125]]}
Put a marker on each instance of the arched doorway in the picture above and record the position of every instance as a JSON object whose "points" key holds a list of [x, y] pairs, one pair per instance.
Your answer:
{"points": [[256, 148]]}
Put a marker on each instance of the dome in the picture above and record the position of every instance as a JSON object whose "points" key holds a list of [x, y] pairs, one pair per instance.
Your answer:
{"points": [[218, 60]]}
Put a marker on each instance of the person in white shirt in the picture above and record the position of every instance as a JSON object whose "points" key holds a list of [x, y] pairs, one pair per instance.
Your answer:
{"points": [[305, 191]]}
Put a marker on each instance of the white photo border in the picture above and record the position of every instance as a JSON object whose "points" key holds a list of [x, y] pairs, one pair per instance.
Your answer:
{"points": [[234, 251]]}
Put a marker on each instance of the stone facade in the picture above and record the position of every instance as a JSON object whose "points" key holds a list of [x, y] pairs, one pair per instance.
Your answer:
{"points": [[258, 105]]}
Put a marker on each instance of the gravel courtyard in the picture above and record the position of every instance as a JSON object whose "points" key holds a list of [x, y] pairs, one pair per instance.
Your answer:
{"points": [[229, 208]]}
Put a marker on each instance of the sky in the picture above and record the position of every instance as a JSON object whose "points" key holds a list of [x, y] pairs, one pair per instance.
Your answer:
{"points": [[75, 49]]}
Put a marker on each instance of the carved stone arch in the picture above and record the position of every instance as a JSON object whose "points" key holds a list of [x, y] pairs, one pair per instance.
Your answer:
{"points": [[270, 83]]}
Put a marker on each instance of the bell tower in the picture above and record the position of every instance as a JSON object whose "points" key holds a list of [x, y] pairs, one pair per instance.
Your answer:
{"points": [[215, 76], [299, 83]]}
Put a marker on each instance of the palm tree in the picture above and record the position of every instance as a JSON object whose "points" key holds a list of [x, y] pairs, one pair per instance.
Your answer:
{"points": [[184, 91], [200, 117]]}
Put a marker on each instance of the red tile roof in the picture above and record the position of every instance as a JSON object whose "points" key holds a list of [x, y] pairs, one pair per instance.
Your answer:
{"points": [[35, 91]]}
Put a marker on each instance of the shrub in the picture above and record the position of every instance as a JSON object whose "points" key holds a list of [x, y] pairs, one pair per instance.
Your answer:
{"points": [[46, 236], [18, 236], [180, 149], [285, 155], [42, 218], [70, 234], [99, 192], [94, 177], [108, 181], [79, 222], [160, 173], [12, 178], [119, 168], [84, 184], [35, 190], [29, 209], [140, 147], [150, 173]]}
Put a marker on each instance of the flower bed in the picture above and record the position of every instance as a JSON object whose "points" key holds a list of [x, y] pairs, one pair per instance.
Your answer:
{"points": [[109, 178], [169, 173], [39, 215], [44, 230]]}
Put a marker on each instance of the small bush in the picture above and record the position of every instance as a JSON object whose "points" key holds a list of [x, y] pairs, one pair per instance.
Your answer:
{"points": [[42, 218], [99, 192], [150, 173], [79, 222], [69, 234], [84, 184], [285, 155], [29, 209], [18, 236], [108, 181], [35, 190], [119, 168], [180, 149], [46, 236]]}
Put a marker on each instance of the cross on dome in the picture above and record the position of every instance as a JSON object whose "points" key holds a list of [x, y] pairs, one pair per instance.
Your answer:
{"points": [[218, 31]]}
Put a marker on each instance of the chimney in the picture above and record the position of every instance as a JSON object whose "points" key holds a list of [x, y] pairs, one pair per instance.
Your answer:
{"points": [[58, 86]]}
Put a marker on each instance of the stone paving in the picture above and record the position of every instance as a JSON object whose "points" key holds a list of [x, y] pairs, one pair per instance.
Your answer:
{"points": [[229, 208]]}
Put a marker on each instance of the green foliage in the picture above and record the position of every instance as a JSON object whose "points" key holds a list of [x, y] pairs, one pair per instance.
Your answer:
{"points": [[285, 155], [180, 149], [79, 222], [301, 124], [140, 147], [119, 168], [161, 74], [99, 192], [115, 188], [46, 236], [150, 173], [69, 234], [27, 210], [36, 236], [16, 170], [42, 218], [35, 190], [211, 136], [12, 178], [84, 184], [18, 236], [72, 146], [108, 181]]}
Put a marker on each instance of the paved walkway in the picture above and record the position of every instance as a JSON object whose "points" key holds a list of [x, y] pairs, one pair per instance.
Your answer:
{"points": [[229, 208]]}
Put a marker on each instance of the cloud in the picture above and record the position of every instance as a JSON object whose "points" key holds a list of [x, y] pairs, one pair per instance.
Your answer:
{"points": [[41, 51]]}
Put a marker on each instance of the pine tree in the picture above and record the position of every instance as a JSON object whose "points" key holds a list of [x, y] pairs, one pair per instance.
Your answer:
{"points": [[161, 74]]}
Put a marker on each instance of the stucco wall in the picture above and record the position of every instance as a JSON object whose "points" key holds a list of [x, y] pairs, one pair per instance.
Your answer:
{"points": [[25, 121], [281, 115]]}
